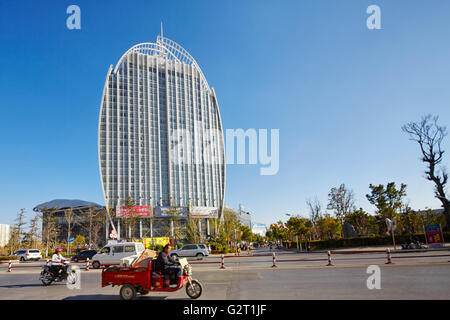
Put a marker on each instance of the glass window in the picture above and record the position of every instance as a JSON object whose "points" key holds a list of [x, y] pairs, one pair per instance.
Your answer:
{"points": [[117, 249], [105, 250]]}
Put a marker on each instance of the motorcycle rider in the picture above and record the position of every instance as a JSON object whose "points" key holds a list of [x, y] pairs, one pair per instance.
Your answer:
{"points": [[167, 265], [57, 260]]}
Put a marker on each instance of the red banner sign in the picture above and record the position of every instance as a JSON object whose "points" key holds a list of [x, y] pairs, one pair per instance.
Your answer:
{"points": [[434, 236], [135, 212]]}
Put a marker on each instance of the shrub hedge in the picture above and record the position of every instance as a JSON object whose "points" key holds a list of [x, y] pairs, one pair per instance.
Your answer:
{"points": [[359, 241], [3, 258]]}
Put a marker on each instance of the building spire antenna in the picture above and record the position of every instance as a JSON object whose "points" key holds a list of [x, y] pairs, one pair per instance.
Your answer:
{"points": [[162, 35]]}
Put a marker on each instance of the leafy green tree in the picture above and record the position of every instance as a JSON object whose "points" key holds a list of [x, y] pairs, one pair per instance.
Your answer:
{"points": [[246, 233], [329, 227], [229, 227], [192, 231], [388, 200], [79, 241], [33, 232], [361, 221], [17, 232], [299, 227], [279, 231]]}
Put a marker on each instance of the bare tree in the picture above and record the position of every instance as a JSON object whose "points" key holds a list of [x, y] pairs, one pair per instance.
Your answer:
{"points": [[69, 215], [93, 225], [98, 222], [342, 201], [429, 135], [315, 212], [130, 221], [48, 226]]}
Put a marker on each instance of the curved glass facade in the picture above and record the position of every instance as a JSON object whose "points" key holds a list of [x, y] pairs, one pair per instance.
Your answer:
{"points": [[160, 132]]}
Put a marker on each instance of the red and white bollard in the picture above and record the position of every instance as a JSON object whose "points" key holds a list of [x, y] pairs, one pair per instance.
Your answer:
{"points": [[9, 266], [222, 263], [329, 260], [388, 254], [87, 264], [274, 260]]}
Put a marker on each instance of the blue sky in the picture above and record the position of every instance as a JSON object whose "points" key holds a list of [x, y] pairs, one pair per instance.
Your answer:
{"points": [[338, 92]]}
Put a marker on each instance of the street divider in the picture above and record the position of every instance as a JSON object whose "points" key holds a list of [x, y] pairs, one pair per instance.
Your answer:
{"points": [[329, 259], [250, 259], [274, 260], [389, 259]]}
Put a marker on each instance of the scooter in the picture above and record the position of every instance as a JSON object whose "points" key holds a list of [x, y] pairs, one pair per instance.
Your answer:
{"points": [[50, 273]]}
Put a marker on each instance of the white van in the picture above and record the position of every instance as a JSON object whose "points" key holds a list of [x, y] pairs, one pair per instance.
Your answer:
{"points": [[114, 252]]}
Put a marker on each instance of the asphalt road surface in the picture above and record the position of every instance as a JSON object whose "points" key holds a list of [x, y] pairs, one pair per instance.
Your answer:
{"points": [[411, 276]]}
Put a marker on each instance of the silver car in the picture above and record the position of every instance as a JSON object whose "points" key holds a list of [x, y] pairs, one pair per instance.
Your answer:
{"points": [[28, 254], [198, 250]]}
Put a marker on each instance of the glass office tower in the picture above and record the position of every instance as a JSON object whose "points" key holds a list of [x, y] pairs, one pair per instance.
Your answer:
{"points": [[160, 132]]}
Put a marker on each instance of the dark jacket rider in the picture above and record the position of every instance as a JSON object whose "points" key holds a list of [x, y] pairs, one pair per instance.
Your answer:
{"points": [[167, 265]]}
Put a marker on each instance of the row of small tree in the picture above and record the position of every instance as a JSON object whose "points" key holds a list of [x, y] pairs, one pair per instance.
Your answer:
{"points": [[227, 231], [389, 203], [388, 199], [42, 231]]}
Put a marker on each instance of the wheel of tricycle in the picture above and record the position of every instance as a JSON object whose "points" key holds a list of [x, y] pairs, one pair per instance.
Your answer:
{"points": [[95, 264], [195, 290], [127, 292]]}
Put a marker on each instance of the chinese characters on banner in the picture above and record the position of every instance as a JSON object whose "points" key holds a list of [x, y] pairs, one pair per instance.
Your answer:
{"points": [[136, 212], [434, 236]]}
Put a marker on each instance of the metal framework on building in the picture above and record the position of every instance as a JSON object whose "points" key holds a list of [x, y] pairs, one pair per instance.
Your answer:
{"points": [[160, 135]]}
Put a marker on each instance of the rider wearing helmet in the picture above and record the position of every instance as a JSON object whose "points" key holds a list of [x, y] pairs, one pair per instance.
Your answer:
{"points": [[57, 259], [57, 256]]}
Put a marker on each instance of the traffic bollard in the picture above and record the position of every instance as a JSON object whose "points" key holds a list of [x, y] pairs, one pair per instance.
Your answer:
{"points": [[329, 260], [87, 264], [9, 266], [47, 262], [274, 260], [388, 254], [222, 264]]}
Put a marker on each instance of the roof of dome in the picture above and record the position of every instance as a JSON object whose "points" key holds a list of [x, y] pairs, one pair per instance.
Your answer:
{"points": [[65, 203]]}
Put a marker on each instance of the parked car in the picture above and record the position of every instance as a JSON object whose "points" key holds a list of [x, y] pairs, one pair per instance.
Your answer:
{"points": [[83, 255], [198, 250], [111, 254], [28, 254]]}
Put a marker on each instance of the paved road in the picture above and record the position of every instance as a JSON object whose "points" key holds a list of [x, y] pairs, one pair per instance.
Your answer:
{"points": [[253, 278]]}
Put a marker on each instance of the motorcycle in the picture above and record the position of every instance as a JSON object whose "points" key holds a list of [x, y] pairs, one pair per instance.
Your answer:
{"points": [[50, 273]]}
